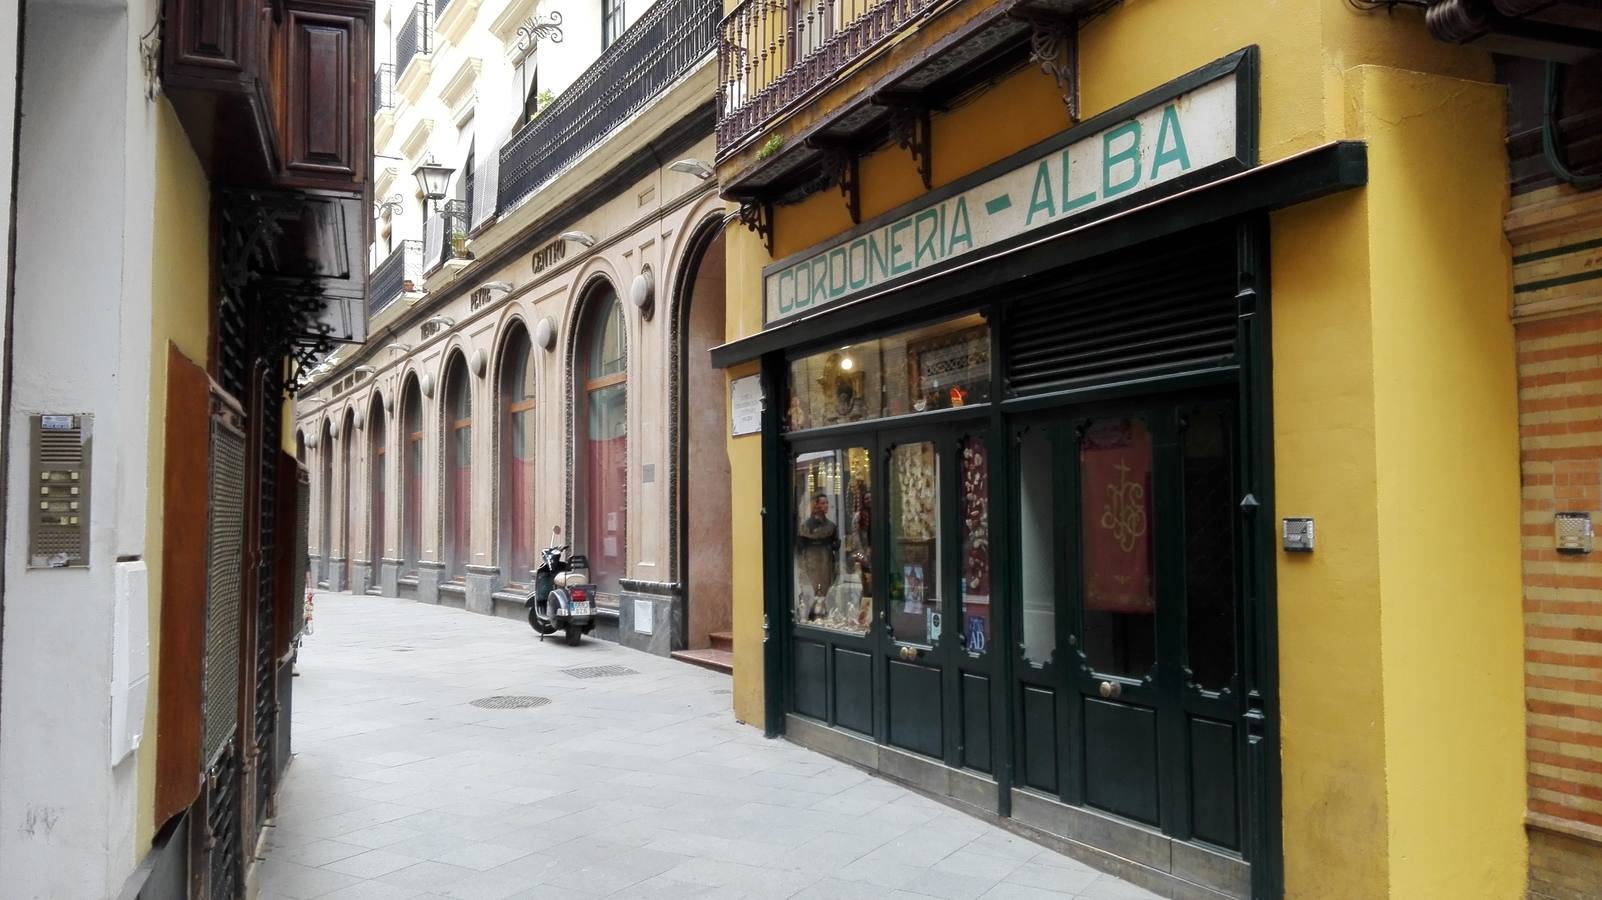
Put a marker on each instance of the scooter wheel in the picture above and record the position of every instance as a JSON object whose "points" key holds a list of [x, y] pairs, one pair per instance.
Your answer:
{"points": [[574, 635]]}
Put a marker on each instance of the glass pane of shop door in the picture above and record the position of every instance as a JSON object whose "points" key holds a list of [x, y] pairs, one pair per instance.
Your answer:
{"points": [[1120, 597], [914, 549], [833, 579]]}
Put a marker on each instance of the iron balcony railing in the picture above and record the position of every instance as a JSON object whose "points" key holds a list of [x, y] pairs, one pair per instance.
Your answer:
{"points": [[400, 271], [384, 88], [639, 66], [773, 53], [413, 39], [444, 235]]}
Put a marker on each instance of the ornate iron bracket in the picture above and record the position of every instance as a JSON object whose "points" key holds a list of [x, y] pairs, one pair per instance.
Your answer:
{"points": [[758, 217], [915, 135], [539, 28], [841, 168], [1054, 47]]}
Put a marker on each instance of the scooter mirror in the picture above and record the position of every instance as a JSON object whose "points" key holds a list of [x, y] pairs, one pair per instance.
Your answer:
{"points": [[556, 531]]}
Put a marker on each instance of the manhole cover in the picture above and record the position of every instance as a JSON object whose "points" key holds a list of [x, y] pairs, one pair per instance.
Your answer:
{"points": [[600, 671], [510, 702]]}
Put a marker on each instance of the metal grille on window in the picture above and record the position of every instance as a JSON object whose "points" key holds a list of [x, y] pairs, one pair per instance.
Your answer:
{"points": [[224, 836], [1161, 308], [265, 712], [224, 585], [297, 609], [233, 364]]}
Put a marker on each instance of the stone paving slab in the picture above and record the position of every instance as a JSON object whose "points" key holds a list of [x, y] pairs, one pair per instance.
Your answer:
{"points": [[637, 785]]}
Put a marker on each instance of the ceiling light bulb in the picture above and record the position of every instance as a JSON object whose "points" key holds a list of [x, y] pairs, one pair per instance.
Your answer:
{"points": [[847, 363]]}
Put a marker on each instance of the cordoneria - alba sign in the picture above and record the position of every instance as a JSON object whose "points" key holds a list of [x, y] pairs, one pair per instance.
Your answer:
{"points": [[1199, 127]]}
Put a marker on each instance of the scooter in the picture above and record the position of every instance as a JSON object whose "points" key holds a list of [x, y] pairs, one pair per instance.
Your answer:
{"points": [[562, 600]]}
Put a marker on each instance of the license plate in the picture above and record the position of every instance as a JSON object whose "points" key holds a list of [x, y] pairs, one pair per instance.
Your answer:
{"points": [[582, 609]]}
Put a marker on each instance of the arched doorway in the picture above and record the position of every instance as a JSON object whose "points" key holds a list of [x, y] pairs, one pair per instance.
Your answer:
{"points": [[517, 526], [347, 436], [325, 534], [456, 539], [377, 437], [706, 545], [411, 495], [601, 450]]}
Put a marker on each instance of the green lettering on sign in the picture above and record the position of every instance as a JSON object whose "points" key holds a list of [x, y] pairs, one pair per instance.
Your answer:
{"points": [[1129, 154]]}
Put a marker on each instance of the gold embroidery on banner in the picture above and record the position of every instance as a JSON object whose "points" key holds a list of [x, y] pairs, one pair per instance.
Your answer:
{"points": [[1125, 512]]}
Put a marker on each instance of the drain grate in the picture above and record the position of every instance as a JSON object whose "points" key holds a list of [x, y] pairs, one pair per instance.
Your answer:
{"points": [[723, 691], [510, 702], [600, 671]]}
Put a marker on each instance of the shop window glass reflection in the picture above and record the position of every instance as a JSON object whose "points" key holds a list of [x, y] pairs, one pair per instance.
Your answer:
{"points": [[1209, 548], [974, 495], [937, 367], [833, 500], [914, 568], [1035, 533], [1120, 600]]}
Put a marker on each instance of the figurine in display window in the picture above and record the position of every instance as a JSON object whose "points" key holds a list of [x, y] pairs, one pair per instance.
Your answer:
{"points": [[817, 553]]}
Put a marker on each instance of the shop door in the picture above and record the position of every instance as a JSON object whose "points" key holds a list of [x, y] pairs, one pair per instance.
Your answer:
{"points": [[1126, 563]]}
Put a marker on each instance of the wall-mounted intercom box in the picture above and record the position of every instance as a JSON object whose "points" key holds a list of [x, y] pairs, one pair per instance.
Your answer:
{"points": [[58, 520]]}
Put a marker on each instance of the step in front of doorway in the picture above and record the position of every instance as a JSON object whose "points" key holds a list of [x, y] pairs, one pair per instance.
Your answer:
{"points": [[710, 658]]}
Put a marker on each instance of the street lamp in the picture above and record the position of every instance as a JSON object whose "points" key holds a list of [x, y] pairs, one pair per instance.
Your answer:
{"points": [[432, 179]]}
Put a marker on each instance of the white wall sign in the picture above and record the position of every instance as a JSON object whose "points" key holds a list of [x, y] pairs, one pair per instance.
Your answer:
{"points": [[1200, 125], [745, 405], [642, 617]]}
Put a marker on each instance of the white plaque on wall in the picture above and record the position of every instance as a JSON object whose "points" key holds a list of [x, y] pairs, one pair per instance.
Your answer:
{"points": [[642, 617], [745, 405]]}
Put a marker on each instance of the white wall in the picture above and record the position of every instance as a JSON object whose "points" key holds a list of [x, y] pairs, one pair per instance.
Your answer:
{"points": [[82, 336]]}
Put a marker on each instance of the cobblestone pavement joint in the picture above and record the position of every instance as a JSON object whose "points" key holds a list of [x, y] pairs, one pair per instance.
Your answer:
{"points": [[639, 785]]}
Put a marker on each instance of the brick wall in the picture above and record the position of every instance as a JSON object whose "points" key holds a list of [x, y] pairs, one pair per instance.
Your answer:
{"points": [[1557, 310]]}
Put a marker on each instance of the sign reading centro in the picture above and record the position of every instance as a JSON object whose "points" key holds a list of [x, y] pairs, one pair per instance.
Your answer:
{"points": [[1188, 132]]}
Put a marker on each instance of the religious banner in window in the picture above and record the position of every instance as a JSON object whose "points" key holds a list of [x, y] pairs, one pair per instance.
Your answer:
{"points": [[1115, 469]]}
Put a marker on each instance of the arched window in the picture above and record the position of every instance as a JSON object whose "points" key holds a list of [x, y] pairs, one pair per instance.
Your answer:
{"points": [[517, 525], [458, 469], [603, 445], [411, 545], [325, 534], [300, 446], [376, 439]]}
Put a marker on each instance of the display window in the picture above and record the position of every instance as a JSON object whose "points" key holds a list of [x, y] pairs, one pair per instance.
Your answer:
{"points": [[833, 552], [941, 366]]}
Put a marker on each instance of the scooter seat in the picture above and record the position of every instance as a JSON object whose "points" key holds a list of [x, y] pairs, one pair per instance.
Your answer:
{"points": [[569, 579]]}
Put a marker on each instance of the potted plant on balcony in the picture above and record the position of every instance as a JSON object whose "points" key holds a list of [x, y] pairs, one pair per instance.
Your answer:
{"points": [[459, 245]]}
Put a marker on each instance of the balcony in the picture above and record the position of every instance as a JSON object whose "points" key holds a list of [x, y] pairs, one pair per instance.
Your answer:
{"points": [[383, 88], [414, 38], [445, 235], [774, 53], [639, 66], [779, 137], [400, 272]]}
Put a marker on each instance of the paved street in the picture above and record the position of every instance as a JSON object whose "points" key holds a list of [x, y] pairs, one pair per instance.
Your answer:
{"points": [[627, 785]]}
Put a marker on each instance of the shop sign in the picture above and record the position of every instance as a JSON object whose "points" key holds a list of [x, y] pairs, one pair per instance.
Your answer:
{"points": [[1198, 129]]}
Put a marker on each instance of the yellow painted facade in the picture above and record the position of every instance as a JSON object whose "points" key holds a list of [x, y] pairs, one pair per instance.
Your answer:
{"points": [[1395, 421], [180, 317]]}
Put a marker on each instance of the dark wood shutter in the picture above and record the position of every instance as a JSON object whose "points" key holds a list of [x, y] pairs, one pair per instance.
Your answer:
{"points": [[1161, 308]]}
